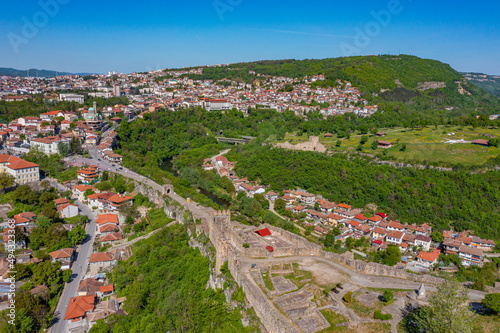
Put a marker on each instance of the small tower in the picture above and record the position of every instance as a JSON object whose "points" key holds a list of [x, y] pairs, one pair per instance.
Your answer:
{"points": [[95, 106], [421, 291]]}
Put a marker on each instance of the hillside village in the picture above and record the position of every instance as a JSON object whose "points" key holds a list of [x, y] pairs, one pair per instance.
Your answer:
{"points": [[172, 90], [419, 251]]}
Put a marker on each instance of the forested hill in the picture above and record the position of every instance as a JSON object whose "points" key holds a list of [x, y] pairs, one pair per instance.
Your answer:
{"points": [[33, 72], [385, 78], [490, 83]]}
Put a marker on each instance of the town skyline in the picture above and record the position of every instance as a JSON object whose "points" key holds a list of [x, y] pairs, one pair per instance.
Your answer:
{"points": [[64, 36]]}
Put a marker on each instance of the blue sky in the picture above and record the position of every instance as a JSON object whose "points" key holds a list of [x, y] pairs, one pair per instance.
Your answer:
{"points": [[126, 36]]}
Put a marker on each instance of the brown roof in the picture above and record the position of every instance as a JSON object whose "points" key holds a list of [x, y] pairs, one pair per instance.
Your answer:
{"points": [[395, 234], [62, 253], [471, 250]]}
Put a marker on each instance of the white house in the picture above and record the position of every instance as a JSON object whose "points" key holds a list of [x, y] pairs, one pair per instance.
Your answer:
{"points": [[48, 145], [69, 210], [395, 237], [423, 241]]}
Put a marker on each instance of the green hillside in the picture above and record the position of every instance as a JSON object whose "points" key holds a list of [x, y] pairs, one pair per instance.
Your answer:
{"points": [[384, 78], [490, 83]]}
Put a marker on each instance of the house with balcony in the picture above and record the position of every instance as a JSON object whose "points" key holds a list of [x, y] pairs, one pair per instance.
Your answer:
{"points": [[471, 256]]}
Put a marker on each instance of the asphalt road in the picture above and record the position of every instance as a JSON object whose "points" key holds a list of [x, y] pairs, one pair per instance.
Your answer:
{"points": [[78, 268]]}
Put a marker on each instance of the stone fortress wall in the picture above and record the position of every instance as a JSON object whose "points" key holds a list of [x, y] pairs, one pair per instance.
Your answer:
{"points": [[228, 245]]}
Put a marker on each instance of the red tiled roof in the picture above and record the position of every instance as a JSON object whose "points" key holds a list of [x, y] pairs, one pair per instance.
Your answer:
{"points": [[100, 256], [79, 306], [270, 248], [106, 289], [62, 253], [429, 256], [264, 232], [106, 218]]}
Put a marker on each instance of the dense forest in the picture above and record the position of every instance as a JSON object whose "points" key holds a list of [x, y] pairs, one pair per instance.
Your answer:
{"points": [[400, 75], [459, 199], [165, 285]]}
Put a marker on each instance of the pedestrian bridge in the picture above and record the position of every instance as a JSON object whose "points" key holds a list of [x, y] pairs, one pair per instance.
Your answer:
{"points": [[243, 141]]}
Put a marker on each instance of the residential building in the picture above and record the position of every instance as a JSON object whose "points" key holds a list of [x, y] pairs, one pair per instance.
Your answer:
{"points": [[68, 210], [101, 260], [427, 259], [79, 306], [49, 145], [471, 256], [22, 171], [423, 241], [64, 256], [395, 237]]}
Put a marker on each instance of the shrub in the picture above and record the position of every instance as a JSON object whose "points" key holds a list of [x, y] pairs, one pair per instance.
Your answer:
{"points": [[246, 245], [388, 297], [348, 297], [382, 316]]}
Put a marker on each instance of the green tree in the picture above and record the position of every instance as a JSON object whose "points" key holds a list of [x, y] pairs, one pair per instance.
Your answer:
{"points": [[437, 237], [77, 235], [99, 327], [492, 302], [388, 296], [447, 311], [64, 149], [338, 143], [392, 255], [279, 205], [479, 284], [403, 147], [6, 180], [375, 144], [88, 192], [364, 139], [43, 222], [66, 275]]}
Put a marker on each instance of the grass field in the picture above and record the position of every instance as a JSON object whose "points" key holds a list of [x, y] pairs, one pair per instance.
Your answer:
{"points": [[426, 146]]}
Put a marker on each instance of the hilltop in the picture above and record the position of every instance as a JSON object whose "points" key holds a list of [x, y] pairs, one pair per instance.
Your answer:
{"points": [[490, 83], [33, 72], [384, 78]]}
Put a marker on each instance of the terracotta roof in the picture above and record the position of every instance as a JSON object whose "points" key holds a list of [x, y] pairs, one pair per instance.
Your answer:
{"points": [[100, 256], [341, 205], [61, 201], [105, 289], [395, 234], [429, 256], [62, 253], [79, 306], [380, 231], [119, 198], [396, 225], [112, 237], [106, 218], [360, 217]]}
